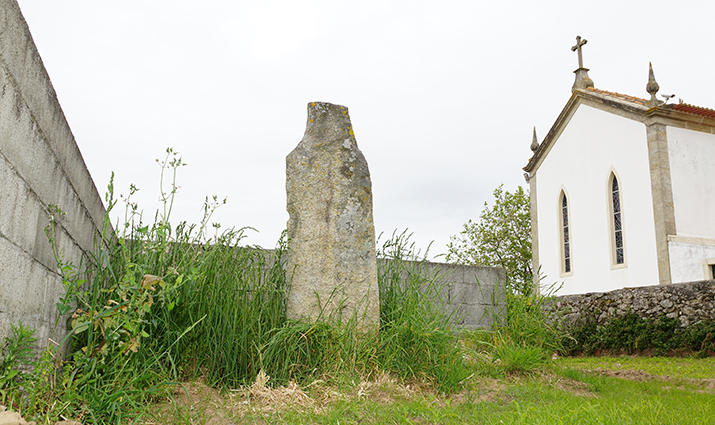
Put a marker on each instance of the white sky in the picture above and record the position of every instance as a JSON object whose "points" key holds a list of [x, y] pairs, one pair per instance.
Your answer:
{"points": [[443, 95]]}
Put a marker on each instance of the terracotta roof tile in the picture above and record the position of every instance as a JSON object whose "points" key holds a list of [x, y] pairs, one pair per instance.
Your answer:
{"points": [[619, 96], [682, 107], [695, 110]]}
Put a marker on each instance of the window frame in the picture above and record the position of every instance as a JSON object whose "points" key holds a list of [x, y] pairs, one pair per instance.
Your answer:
{"points": [[568, 227], [612, 237], [709, 268]]}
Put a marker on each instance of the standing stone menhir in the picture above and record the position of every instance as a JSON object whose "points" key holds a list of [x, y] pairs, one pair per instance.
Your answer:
{"points": [[332, 267]]}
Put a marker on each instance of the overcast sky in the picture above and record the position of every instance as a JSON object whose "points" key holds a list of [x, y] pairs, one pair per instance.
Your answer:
{"points": [[443, 95]]}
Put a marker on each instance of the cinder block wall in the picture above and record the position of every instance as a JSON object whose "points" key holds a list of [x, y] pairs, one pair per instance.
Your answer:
{"points": [[473, 296], [40, 164]]}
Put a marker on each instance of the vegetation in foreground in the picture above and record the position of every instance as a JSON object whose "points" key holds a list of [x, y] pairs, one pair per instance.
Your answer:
{"points": [[158, 304], [594, 390]]}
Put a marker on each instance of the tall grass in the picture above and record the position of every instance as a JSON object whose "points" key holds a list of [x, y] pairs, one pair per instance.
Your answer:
{"points": [[523, 342], [156, 303], [416, 337]]}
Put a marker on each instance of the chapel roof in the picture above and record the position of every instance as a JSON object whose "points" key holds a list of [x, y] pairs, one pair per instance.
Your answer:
{"points": [[619, 96], [695, 110], [682, 107]]}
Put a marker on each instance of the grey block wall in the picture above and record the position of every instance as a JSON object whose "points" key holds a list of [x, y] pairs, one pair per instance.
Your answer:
{"points": [[40, 164], [473, 296]]}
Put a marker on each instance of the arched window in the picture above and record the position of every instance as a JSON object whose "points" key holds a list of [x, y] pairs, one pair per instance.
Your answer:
{"points": [[618, 256], [565, 236]]}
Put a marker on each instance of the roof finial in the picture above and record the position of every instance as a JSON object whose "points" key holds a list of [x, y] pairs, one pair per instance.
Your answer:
{"points": [[582, 79], [534, 142], [652, 88]]}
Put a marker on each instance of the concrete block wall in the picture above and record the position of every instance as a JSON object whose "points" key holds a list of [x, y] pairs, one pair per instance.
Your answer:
{"points": [[40, 164], [473, 296]]}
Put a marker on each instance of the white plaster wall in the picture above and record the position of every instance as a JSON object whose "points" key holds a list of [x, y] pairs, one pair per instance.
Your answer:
{"points": [[593, 143], [692, 170], [686, 261]]}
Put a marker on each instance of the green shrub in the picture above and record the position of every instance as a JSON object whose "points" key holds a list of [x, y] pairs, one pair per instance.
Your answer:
{"points": [[633, 334], [701, 337]]}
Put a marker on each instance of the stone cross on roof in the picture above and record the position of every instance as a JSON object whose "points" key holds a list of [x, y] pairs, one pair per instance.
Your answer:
{"points": [[582, 79], [578, 45]]}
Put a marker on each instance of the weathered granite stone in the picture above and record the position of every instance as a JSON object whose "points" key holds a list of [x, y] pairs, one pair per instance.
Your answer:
{"points": [[331, 264]]}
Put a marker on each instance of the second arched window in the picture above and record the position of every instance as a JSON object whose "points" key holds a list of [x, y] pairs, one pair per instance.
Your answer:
{"points": [[566, 239], [617, 217]]}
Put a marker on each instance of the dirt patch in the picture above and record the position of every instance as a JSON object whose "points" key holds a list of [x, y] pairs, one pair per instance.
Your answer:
{"points": [[705, 385], [190, 401], [630, 374], [577, 388], [8, 417]]}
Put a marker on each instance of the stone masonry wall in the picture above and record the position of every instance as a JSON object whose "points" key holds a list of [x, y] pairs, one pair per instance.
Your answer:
{"points": [[689, 302], [40, 164]]}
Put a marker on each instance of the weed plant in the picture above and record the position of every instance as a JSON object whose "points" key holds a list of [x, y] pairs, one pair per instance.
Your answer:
{"points": [[523, 342], [17, 360], [525, 324]]}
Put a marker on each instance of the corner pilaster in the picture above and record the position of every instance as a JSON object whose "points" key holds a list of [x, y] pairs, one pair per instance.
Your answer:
{"points": [[662, 191], [534, 231]]}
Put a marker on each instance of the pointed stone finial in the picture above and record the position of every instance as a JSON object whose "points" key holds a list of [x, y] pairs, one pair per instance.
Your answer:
{"points": [[652, 88], [534, 142], [582, 79]]}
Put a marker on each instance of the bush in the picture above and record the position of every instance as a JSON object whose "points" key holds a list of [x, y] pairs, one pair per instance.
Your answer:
{"points": [[632, 334]]}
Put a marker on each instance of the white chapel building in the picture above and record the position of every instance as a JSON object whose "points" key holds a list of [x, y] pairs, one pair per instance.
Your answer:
{"points": [[623, 191]]}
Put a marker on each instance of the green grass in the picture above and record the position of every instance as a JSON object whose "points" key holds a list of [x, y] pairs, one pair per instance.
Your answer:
{"points": [[566, 396]]}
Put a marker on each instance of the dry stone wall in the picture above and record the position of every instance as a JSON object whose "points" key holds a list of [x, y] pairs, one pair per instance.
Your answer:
{"points": [[690, 303], [40, 164]]}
